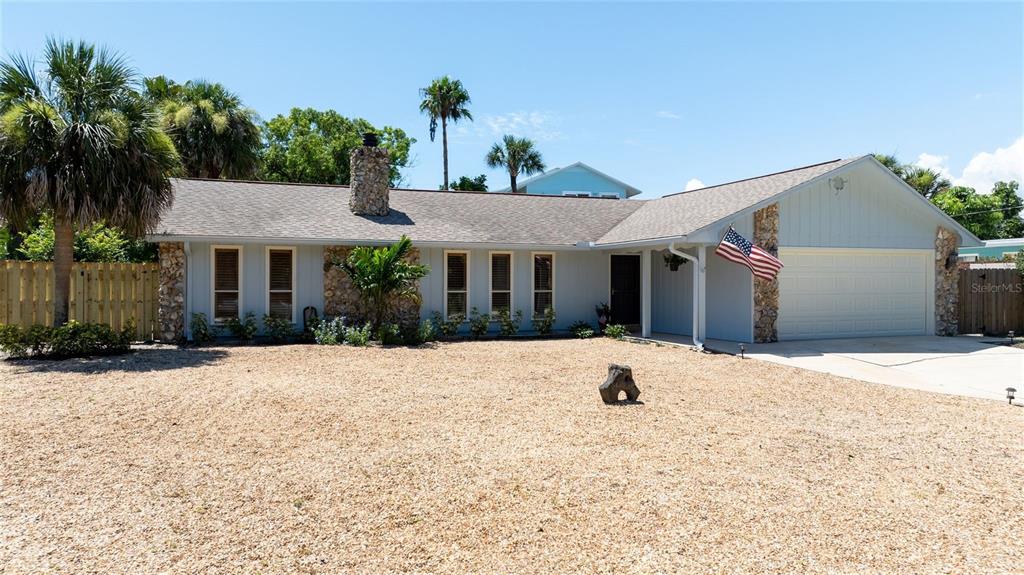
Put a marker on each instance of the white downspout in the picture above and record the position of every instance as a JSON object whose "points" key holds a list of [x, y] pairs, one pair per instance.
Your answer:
{"points": [[696, 294]]}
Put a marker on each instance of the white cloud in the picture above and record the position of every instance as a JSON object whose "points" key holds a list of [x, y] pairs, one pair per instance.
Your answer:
{"points": [[669, 115], [536, 124], [934, 162], [984, 169], [987, 168], [693, 184]]}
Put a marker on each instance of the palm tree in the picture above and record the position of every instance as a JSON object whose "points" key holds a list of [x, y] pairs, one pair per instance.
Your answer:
{"points": [[445, 100], [383, 276], [215, 135], [79, 141], [518, 156]]}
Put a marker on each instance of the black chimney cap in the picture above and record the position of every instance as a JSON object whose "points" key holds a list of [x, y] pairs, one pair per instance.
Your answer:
{"points": [[370, 139]]}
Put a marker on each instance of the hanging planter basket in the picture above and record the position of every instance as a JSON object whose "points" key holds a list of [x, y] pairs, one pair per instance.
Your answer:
{"points": [[672, 261]]}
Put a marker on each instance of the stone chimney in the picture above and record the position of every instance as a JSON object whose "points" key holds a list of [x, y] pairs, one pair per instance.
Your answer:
{"points": [[370, 180]]}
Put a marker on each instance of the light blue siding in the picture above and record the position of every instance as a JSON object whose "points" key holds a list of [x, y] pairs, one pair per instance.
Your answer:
{"points": [[671, 295], [574, 179], [309, 286], [581, 282], [870, 212]]}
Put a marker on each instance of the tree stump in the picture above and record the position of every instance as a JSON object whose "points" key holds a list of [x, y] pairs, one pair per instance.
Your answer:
{"points": [[620, 378]]}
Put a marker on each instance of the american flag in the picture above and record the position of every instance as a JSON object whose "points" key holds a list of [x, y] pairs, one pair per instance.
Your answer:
{"points": [[736, 248]]}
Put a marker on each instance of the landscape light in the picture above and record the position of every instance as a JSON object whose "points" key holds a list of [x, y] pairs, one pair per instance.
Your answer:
{"points": [[743, 349], [1011, 337], [1009, 394]]}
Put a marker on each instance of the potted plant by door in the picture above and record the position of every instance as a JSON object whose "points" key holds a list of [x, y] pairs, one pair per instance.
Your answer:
{"points": [[604, 315]]}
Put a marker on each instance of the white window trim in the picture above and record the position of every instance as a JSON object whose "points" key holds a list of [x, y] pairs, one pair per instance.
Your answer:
{"points": [[572, 194], [533, 280], [511, 282], [444, 304], [295, 269], [213, 279], [611, 196]]}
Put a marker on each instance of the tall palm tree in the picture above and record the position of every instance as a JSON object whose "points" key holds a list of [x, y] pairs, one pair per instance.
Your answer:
{"points": [[518, 156], [445, 100], [79, 141], [214, 133]]}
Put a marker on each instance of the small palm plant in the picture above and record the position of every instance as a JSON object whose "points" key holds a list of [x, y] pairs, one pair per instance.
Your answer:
{"points": [[383, 277], [445, 100], [517, 156]]}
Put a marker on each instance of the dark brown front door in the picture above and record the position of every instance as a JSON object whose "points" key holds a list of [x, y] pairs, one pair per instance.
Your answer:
{"points": [[625, 274]]}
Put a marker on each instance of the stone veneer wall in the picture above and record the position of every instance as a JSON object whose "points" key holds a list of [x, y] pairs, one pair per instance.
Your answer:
{"points": [[947, 284], [171, 292], [370, 187], [766, 293], [341, 299]]}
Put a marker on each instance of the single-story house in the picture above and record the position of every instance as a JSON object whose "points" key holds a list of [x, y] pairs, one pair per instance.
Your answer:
{"points": [[864, 254], [993, 249], [576, 179]]}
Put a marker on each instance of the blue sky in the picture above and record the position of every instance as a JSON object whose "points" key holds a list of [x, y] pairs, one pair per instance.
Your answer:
{"points": [[654, 94]]}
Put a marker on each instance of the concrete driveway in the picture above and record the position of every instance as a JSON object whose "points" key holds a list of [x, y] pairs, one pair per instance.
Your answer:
{"points": [[955, 365]]}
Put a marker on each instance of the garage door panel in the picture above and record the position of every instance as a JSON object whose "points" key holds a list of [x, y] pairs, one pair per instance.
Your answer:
{"points": [[852, 293]]}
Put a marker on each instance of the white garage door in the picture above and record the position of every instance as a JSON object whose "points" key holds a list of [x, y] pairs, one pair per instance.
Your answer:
{"points": [[828, 293]]}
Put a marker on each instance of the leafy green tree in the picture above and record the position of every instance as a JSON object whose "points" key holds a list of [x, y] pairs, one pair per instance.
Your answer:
{"points": [[517, 156], [81, 143], [1011, 205], [926, 181], [468, 184], [979, 213], [383, 276], [214, 133], [94, 243], [313, 146], [445, 100]]}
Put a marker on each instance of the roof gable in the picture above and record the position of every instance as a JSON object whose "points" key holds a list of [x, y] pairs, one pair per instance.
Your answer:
{"points": [[630, 190]]}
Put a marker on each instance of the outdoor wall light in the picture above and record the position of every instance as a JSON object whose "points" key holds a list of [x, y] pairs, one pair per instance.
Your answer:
{"points": [[743, 350], [1009, 394]]}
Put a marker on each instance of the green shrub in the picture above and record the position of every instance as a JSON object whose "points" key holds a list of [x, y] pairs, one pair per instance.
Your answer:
{"points": [[72, 339], [544, 323], [390, 334], [508, 324], [358, 336], [244, 329], [202, 331], [329, 332], [616, 331], [581, 329], [478, 323], [448, 327], [426, 332], [279, 329]]}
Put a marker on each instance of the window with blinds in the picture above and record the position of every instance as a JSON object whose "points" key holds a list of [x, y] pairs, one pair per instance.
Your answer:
{"points": [[280, 283], [501, 282], [227, 268], [543, 283], [456, 283]]}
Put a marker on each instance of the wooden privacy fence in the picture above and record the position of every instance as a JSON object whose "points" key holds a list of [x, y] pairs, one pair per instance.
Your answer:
{"points": [[110, 293], [991, 301]]}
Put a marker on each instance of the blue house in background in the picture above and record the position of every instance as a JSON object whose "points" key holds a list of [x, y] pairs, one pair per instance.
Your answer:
{"points": [[579, 180], [993, 249]]}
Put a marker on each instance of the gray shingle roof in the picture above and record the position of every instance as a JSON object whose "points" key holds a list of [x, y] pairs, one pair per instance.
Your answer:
{"points": [[684, 213], [216, 209], [226, 209]]}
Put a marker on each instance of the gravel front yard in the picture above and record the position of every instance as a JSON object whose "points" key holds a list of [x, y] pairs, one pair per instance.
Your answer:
{"points": [[495, 457]]}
